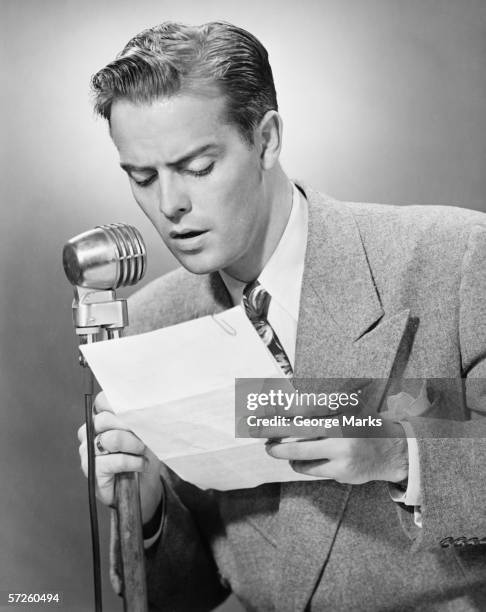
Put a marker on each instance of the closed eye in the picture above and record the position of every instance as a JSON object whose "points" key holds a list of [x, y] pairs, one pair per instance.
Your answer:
{"points": [[196, 173], [146, 182], [202, 172]]}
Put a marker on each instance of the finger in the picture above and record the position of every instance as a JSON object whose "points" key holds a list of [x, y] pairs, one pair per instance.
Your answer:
{"points": [[82, 452], [107, 420], [82, 433], [99, 449], [271, 431], [118, 441], [101, 404], [304, 450], [335, 448], [302, 429], [322, 468], [108, 465], [102, 422], [116, 463]]}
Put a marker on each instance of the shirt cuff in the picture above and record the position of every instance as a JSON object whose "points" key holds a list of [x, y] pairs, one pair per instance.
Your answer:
{"points": [[412, 496], [153, 529], [151, 541]]}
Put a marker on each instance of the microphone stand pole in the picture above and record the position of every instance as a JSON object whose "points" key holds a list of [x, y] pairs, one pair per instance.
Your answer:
{"points": [[95, 311]]}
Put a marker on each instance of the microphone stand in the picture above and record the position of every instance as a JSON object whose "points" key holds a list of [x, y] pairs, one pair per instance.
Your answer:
{"points": [[95, 312]]}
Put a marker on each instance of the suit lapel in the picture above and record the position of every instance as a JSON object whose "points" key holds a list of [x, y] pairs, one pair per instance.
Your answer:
{"points": [[342, 333]]}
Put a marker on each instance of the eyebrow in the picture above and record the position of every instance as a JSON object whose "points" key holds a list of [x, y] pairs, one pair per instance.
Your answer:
{"points": [[175, 164]]}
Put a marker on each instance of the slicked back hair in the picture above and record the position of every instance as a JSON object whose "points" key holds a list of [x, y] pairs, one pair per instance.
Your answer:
{"points": [[174, 58]]}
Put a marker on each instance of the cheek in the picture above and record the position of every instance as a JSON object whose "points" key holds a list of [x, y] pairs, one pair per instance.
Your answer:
{"points": [[239, 175], [237, 193]]}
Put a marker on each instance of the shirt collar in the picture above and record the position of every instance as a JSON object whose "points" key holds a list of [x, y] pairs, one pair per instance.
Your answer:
{"points": [[282, 274]]}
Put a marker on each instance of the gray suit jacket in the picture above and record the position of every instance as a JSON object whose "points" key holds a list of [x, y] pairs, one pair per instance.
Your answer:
{"points": [[386, 291]]}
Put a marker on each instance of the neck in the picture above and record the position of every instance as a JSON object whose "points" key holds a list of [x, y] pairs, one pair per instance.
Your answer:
{"points": [[276, 203]]}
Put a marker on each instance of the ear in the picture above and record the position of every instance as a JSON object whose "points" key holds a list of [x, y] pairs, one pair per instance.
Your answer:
{"points": [[269, 137]]}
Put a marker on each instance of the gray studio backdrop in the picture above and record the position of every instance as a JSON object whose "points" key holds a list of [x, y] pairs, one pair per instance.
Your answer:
{"points": [[383, 100]]}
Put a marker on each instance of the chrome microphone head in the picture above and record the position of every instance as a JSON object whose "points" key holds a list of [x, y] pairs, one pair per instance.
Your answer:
{"points": [[106, 257]]}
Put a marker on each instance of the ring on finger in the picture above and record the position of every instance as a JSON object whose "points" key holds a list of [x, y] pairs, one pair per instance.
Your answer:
{"points": [[99, 446]]}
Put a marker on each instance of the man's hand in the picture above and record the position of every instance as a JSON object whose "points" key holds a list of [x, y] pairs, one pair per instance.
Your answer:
{"points": [[347, 460], [125, 453]]}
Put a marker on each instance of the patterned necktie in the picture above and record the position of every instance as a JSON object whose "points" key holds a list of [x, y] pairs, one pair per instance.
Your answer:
{"points": [[256, 302]]}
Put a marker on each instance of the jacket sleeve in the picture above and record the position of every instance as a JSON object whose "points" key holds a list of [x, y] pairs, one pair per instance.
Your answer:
{"points": [[180, 569], [452, 453]]}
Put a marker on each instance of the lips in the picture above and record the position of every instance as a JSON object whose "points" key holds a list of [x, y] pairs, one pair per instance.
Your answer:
{"points": [[189, 240], [186, 234]]}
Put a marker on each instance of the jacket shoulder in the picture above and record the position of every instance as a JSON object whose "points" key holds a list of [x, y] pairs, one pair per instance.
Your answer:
{"points": [[400, 240], [423, 223], [428, 223]]}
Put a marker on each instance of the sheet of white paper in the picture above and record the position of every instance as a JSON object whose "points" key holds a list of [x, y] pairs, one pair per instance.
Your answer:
{"points": [[174, 387]]}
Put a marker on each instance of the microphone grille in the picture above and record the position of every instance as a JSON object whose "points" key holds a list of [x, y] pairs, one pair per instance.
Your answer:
{"points": [[131, 252]]}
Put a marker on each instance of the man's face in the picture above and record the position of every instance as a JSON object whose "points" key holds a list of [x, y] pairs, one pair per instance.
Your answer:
{"points": [[196, 179]]}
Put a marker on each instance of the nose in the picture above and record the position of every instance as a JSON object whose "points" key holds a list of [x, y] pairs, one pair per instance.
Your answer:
{"points": [[174, 201]]}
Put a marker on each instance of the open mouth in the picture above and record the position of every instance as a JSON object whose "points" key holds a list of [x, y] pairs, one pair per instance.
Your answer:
{"points": [[185, 235]]}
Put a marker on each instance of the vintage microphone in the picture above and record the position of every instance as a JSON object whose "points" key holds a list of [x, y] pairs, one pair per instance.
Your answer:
{"points": [[96, 263]]}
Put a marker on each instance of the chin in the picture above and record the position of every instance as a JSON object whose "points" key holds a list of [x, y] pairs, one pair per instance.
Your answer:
{"points": [[201, 263]]}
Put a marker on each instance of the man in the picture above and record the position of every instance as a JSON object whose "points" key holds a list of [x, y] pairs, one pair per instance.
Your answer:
{"points": [[355, 290]]}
